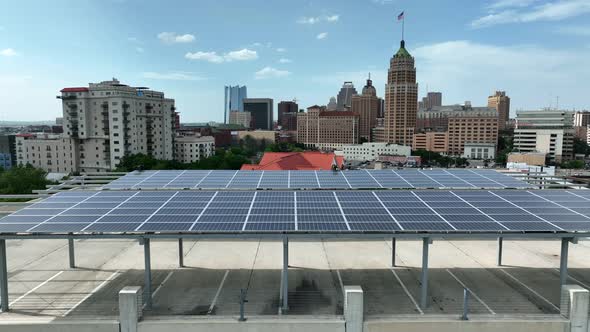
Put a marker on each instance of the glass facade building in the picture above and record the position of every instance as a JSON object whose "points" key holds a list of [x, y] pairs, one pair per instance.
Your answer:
{"points": [[234, 96]]}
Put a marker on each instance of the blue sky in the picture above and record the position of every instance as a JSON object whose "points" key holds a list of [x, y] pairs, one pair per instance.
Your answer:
{"points": [[535, 50]]}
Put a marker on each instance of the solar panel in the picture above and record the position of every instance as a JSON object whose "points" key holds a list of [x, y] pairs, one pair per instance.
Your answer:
{"points": [[304, 211], [350, 179]]}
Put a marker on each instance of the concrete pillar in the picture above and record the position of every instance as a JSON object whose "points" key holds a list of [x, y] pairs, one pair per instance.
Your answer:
{"points": [[393, 247], [353, 308], [563, 261], [424, 277], [180, 253], [3, 277], [129, 308], [285, 275], [574, 306], [72, 253], [500, 245], [147, 287]]}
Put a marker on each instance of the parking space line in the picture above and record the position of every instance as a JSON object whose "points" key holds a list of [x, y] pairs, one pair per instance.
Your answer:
{"points": [[96, 289], [472, 292], [35, 288], [577, 281], [214, 302], [530, 289], [340, 281], [162, 284], [407, 291]]}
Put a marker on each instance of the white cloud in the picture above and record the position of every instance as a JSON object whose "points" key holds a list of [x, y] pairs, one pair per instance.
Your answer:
{"points": [[577, 30], [531, 75], [269, 72], [240, 55], [317, 19], [172, 76], [8, 52], [172, 37], [499, 4], [551, 11], [133, 39], [322, 35], [281, 50], [284, 60], [139, 49]]}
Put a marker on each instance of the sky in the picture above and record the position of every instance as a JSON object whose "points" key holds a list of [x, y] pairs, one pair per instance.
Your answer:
{"points": [[538, 51]]}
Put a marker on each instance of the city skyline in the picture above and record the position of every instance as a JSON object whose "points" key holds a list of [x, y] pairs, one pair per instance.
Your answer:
{"points": [[466, 59]]}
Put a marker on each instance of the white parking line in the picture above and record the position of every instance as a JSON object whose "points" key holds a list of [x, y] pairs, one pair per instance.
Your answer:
{"points": [[530, 289], [35, 288], [577, 281], [96, 289], [407, 291], [472, 293], [214, 302], [162, 283], [340, 281]]}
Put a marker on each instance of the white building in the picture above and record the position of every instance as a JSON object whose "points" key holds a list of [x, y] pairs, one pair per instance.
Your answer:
{"points": [[479, 151], [372, 151], [191, 149], [549, 132], [53, 153]]}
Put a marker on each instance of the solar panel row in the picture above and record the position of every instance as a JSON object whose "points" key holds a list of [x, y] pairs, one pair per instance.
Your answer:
{"points": [[305, 211], [367, 179]]}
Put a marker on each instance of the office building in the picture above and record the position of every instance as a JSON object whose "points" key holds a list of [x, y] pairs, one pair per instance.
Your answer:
{"points": [[468, 127], [371, 151], [401, 98], [549, 132], [7, 151], [501, 102], [432, 99], [287, 115], [50, 152], [582, 119], [190, 149], [431, 141], [436, 118], [243, 119], [481, 151], [366, 105], [233, 101], [327, 130], [332, 105], [261, 111], [109, 120], [344, 98]]}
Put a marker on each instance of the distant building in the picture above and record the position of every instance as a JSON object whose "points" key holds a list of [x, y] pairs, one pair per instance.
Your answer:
{"points": [[310, 160], [366, 105], [582, 119], [327, 129], [529, 158], [432, 99], [469, 127], [261, 110], [332, 105], [270, 136], [401, 98], [431, 141], [52, 153], [190, 149], [501, 102], [436, 118], [7, 151], [287, 115], [549, 132], [344, 99], [233, 101], [243, 119], [479, 151], [371, 151]]}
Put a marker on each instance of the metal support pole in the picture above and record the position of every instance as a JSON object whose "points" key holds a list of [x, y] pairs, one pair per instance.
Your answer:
{"points": [[393, 252], [563, 262], [242, 302], [465, 304], [3, 277], [147, 287], [72, 253], [500, 244], [180, 253], [424, 278], [285, 283]]}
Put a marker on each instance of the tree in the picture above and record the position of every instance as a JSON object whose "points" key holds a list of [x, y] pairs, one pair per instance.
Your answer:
{"points": [[22, 180], [581, 147], [574, 164]]}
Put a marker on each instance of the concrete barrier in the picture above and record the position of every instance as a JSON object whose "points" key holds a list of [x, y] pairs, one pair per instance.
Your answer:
{"points": [[64, 326], [253, 324], [574, 306], [474, 324], [130, 308], [353, 308]]}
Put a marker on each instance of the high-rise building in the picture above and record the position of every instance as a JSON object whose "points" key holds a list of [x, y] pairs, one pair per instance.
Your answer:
{"points": [[285, 107], [344, 99], [332, 105], [366, 105], [7, 151], [261, 110], [582, 119], [432, 99], [327, 129], [432, 141], [549, 132], [436, 118], [50, 152], [109, 120], [401, 98], [501, 102], [234, 96], [243, 119], [468, 127]]}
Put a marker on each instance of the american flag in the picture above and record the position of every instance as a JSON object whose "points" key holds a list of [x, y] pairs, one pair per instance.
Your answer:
{"points": [[400, 16]]}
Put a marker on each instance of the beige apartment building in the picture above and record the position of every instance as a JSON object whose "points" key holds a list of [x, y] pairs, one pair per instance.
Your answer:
{"points": [[501, 103], [327, 130], [190, 149], [108, 120], [431, 141], [243, 119], [53, 153], [366, 105]]}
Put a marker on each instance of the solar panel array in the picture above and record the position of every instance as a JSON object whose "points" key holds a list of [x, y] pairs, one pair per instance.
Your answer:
{"points": [[357, 179], [305, 211]]}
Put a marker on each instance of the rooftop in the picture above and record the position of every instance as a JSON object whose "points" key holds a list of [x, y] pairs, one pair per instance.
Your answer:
{"points": [[296, 161]]}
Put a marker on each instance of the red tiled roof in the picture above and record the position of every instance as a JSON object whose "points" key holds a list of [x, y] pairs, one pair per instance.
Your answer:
{"points": [[80, 89], [275, 161]]}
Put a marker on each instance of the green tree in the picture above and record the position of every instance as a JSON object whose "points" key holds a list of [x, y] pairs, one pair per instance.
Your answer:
{"points": [[581, 147], [22, 180]]}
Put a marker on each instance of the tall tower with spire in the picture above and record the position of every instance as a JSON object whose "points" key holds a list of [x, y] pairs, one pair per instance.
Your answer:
{"points": [[401, 98]]}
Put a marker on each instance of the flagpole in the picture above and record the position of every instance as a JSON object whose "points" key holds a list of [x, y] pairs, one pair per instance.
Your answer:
{"points": [[403, 23]]}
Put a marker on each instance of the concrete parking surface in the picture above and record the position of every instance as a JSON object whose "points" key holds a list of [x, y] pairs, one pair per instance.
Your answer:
{"points": [[42, 285]]}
